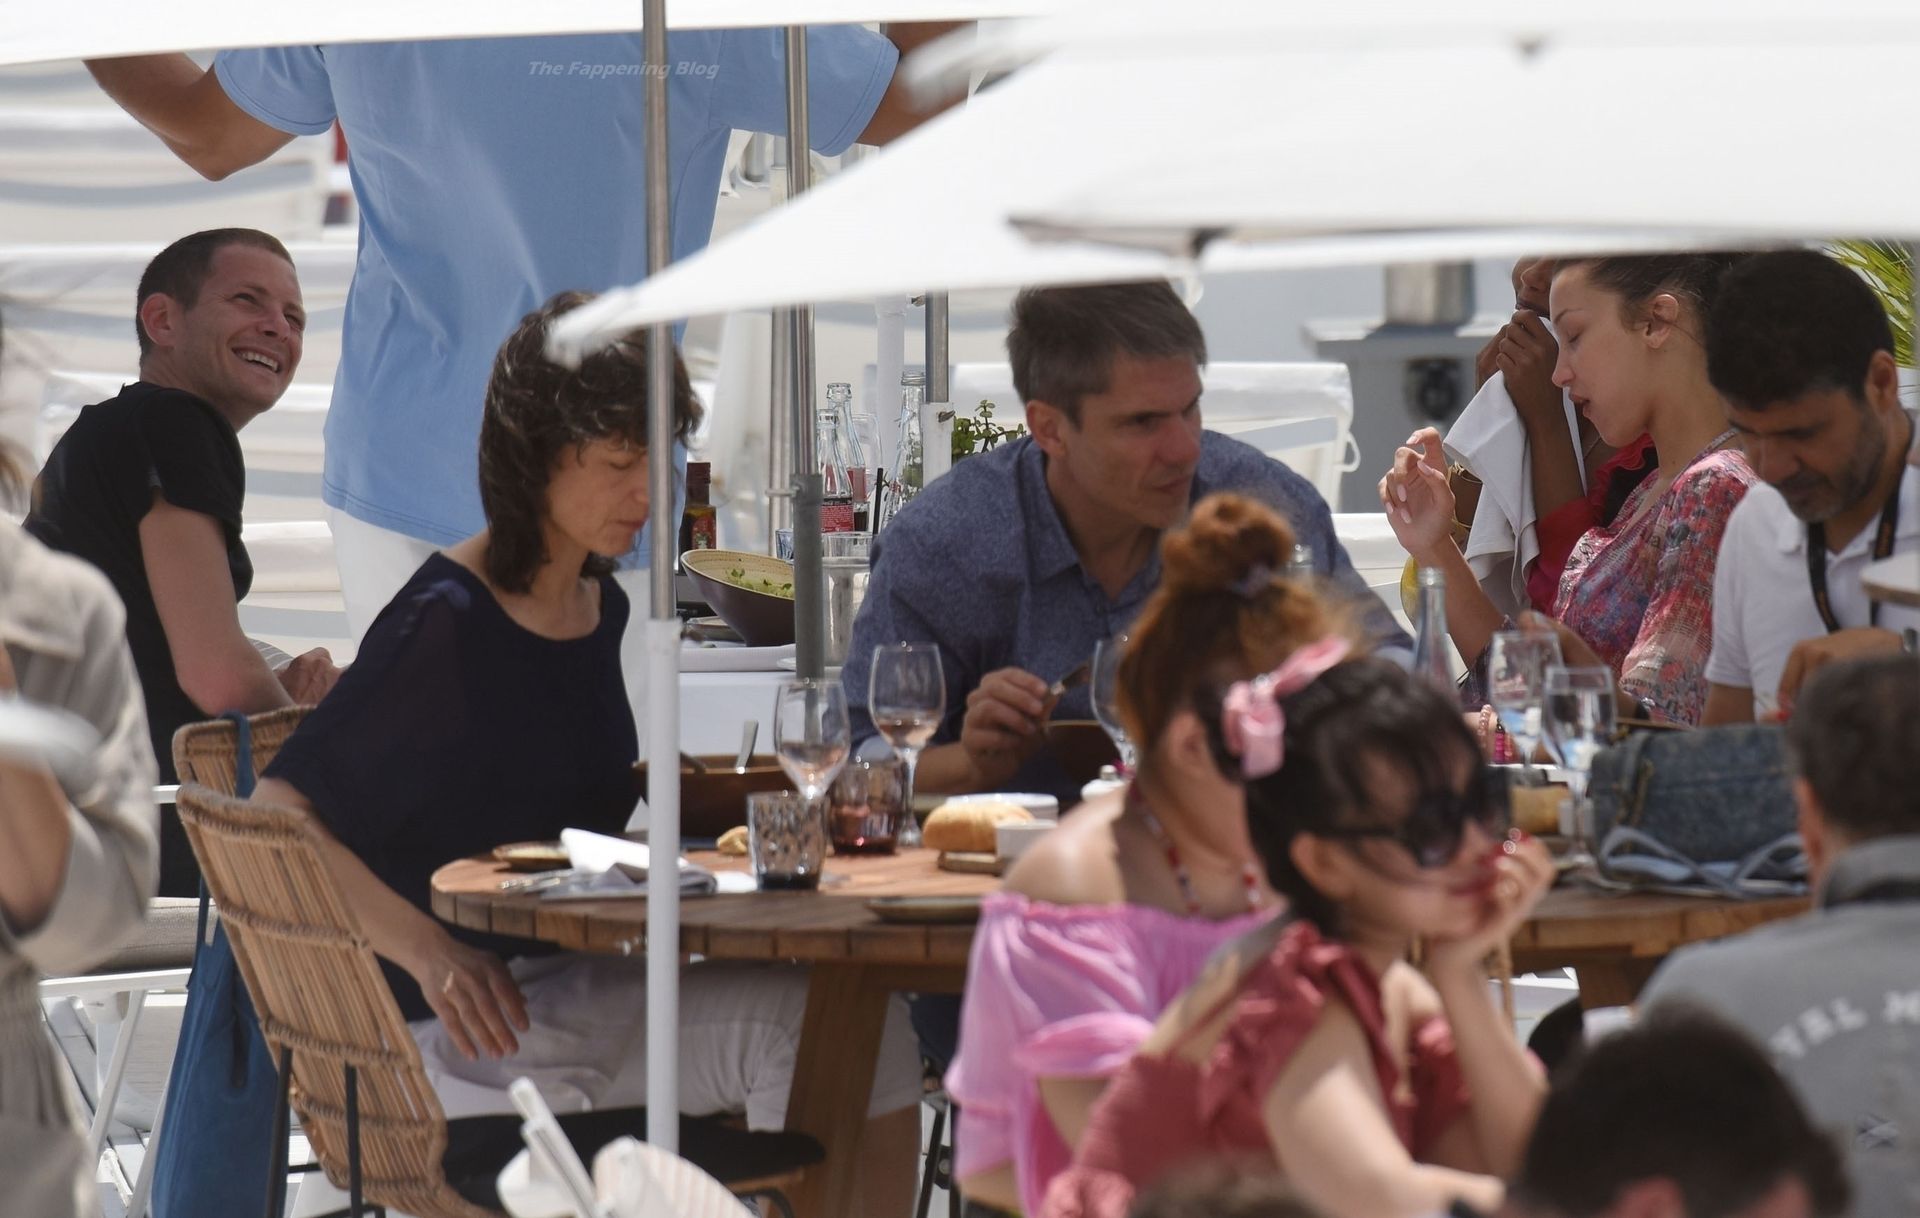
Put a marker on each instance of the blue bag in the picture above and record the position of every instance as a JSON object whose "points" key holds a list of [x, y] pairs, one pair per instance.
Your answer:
{"points": [[215, 1150]]}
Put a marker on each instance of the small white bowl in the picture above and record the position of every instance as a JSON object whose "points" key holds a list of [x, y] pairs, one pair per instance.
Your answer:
{"points": [[1011, 841]]}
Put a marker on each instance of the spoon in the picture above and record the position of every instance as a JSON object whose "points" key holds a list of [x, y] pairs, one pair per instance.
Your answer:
{"points": [[748, 735]]}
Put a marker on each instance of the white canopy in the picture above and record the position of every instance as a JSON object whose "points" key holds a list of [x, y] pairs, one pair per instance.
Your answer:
{"points": [[1763, 143], [931, 211], [36, 32]]}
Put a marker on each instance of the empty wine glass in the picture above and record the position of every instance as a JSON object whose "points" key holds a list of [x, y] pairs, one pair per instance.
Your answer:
{"points": [[1578, 713], [811, 733], [907, 699], [1106, 694], [1516, 683]]}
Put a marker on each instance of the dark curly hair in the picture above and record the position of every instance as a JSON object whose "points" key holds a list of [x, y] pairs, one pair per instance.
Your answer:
{"points": [[1792, 322], [537, 411], [1358, 713]]}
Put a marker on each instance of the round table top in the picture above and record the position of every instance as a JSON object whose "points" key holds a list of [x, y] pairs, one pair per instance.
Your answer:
{"points": [[835, 923]]}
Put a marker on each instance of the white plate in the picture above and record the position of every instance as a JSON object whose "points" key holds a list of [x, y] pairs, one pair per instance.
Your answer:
{"points": [[791, 664], [1040, 807]]}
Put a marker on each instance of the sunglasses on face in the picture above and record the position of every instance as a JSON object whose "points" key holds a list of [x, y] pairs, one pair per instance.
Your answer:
{"points": [[1431, 834]]}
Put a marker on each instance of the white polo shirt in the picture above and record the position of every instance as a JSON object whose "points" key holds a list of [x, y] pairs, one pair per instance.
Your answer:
{"points": [[1762, 601]]}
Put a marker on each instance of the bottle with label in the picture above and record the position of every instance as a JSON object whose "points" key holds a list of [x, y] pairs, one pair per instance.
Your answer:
{"points": [[843, 474], [699, 523], [1432, 648]]}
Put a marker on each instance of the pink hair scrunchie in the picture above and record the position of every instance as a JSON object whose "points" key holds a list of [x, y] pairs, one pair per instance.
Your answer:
{"points": [[1253, 722]]}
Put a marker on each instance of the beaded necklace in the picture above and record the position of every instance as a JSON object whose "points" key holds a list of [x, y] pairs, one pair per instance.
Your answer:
{"points": [[1249, 875]]}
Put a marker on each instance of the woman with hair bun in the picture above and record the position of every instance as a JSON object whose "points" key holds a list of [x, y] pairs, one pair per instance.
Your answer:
{"points": [[1310, 1046], [1106, 919]]}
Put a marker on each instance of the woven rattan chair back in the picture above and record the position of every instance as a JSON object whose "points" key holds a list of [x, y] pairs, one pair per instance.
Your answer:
{"points": [[208, 753], [321, 998]]}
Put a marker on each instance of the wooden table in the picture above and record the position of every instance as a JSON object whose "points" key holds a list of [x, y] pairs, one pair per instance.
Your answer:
{"points": [[1613, 940], [857, 961]]}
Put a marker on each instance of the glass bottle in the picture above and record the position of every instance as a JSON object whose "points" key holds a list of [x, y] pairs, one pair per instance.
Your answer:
{"points": [[842, 464], [1431, 645], [905, 475], [699, 523], [1300, 561]]}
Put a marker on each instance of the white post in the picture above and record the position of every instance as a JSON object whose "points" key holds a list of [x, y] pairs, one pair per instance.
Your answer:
{"points": [[663, 640]]}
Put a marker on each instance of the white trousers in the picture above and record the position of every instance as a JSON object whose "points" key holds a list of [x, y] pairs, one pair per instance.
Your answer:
{"points": [[586, 1049], [375, 563]]}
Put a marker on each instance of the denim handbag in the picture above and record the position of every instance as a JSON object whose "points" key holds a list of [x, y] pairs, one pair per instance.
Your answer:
{"points": [[216, 1146], [1715, 794]]}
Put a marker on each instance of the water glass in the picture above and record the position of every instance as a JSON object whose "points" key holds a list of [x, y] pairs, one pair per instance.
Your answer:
{"points": [[1578, 712], [907, 698], [1516, 684], [811, 733], [1105, 693], [866, 805], [786, 839]]}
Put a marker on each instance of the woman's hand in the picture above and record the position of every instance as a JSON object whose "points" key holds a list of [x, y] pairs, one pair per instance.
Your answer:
{"points": [[1415, 495], [473, 994], [1523, 873]]}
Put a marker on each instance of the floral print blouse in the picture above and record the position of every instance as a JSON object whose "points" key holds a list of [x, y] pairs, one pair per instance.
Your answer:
{"points": [[1640, 590]]}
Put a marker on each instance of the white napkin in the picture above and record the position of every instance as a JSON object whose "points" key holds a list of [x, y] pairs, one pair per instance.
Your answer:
{"points": [[1489, 439], [615, 867], [732, 657]]}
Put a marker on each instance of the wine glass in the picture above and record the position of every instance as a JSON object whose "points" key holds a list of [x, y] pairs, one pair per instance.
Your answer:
{"points": [[907, 699], [1516, 684], [1578, 712], [1106, 694], [811, 734]]}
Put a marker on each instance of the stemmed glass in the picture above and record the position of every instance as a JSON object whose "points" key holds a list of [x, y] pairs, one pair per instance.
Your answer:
{"points": [[811, 733], [907, 698], [1516, 684], [1106, 694], [1578, 711]]}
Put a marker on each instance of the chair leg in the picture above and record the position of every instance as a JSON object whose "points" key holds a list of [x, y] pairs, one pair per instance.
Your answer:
{"points": [[143, 1184], [282, 1120], [929, 1168], [353, 1141], [116, 1072]]}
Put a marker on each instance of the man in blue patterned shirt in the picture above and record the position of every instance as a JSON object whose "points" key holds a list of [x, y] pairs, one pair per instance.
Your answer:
{"points": [[1022, 558]]}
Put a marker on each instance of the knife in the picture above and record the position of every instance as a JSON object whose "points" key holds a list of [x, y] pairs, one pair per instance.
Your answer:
{"points": [[1072, 680]]}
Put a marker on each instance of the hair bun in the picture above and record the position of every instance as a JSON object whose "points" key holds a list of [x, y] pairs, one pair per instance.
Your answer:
{"points": [[1227, 536]]}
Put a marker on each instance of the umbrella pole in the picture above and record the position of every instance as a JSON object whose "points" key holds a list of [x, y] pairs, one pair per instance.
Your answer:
{"points": [[809, 582], [933, 460], [663, 639]]}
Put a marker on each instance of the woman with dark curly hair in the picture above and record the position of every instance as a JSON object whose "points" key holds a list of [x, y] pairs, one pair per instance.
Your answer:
{"points": [[486, 706]]}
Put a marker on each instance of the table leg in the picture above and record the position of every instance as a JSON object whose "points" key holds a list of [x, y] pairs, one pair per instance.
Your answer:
{"points": [[839, 1041]]}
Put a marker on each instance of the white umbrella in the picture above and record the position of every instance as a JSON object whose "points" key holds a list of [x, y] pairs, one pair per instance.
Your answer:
{"points": [[1758, 143], [32, 33], [932, 209]]}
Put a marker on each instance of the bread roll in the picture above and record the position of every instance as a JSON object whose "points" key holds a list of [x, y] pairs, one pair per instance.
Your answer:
{"points": [[968, 826], [733, 841]]}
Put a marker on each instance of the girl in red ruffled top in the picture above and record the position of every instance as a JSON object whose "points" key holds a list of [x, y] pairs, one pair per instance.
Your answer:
{"points": [[1311, 1045]]}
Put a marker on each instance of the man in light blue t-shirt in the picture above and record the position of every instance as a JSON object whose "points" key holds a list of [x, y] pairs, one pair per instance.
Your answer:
{"points": [[490, 173]]}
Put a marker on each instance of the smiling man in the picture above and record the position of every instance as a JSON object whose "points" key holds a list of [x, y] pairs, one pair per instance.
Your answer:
{"points": [[1021, 559], [148, 486], [1800, 348]]}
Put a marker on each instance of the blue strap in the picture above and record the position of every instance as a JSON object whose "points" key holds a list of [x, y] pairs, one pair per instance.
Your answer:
{"points": [[243, 787]]}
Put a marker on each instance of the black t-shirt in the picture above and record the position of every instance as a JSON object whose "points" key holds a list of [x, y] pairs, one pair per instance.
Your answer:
{"points": [[97, 486], [456, 730]]}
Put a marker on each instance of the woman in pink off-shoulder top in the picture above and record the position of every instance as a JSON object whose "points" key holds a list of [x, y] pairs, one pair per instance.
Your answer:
{"points": [[1311, 1046], [1109, 917]]}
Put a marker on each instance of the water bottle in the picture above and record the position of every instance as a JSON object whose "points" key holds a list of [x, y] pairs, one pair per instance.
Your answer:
{"points": [[842, 464]]}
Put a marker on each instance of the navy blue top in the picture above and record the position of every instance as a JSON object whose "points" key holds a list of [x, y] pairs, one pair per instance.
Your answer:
{"points": [[981, 564], [456, 730]]}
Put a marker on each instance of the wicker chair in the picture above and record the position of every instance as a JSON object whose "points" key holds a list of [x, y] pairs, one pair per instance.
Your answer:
{"points": [[209, 753], [346, 1058]]}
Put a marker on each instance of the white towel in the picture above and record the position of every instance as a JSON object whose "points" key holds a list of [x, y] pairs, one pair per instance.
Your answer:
{"points": [[1489, 439]]}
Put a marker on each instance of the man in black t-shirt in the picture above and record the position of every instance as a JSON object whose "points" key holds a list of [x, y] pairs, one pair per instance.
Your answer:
{"points": [[148, 487]]}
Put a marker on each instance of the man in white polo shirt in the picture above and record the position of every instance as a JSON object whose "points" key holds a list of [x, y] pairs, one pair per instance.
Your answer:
{"points": [[1800, 348]]}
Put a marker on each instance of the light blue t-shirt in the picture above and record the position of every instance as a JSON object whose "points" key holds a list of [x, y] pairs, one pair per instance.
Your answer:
{"points": [[491, 174]]}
